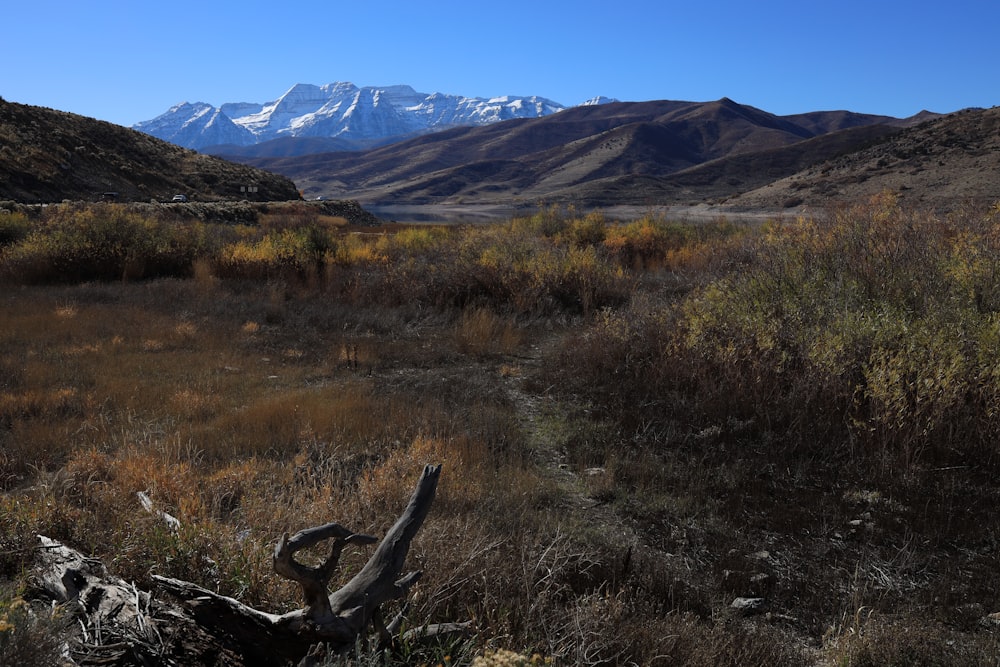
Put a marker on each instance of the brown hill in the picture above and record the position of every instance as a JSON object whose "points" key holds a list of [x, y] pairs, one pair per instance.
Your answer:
{"points": [[48, 156], [944, 163], [599, 155], [717, 180]]}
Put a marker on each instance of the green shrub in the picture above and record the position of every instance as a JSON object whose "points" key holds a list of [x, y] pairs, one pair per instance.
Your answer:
{"points": [[279, 253], [651, 243], [548, 222], [14, 227], [590, 230], [509, 269], [29, 636], [876, 329], [103, 242]]}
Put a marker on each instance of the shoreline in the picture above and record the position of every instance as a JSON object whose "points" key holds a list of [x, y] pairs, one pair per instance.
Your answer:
{"points": [[491, 213]]}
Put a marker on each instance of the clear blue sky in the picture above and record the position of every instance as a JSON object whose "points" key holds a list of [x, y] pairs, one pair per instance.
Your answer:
{"points": [[130, 61]]}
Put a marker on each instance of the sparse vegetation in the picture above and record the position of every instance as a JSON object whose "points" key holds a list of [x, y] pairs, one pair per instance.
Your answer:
{"points": [[639, 423], [29, 635], [51, 156]]}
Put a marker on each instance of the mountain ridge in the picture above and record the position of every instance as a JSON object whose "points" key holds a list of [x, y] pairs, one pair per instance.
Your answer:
{"points": [[595, 155], [367, 115], [714, 156], [943, 163]]}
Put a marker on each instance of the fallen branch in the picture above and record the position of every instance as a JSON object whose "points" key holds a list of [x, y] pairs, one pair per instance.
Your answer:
{"points": [[340, 619], [242, 634]]}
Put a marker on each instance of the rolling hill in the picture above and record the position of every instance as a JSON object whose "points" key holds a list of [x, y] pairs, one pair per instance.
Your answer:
{"points": [[943, 164], [49, 156], [618, 153]]}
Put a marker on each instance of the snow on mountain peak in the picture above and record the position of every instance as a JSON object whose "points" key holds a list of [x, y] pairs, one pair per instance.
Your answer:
{"points": [[600, 99], [196, 124], [338, 109]]}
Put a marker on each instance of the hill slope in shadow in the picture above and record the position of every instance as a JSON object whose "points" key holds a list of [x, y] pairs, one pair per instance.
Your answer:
{"points": [[49, 156]]}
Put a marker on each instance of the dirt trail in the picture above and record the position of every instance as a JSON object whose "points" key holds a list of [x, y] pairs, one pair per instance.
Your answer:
{"points": [[546, 434], [538, 416]]}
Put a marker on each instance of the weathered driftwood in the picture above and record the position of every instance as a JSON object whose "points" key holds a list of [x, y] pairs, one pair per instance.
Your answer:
{"points": [[338, 620]]}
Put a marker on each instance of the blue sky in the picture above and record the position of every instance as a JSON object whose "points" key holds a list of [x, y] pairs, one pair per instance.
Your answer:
{"points": [[130, 61]]}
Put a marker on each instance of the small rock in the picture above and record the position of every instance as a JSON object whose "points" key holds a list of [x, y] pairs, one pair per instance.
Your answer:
{"points": [[748, 606]]}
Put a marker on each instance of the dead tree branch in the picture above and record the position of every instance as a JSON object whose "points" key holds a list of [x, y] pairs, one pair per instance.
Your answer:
{"points": [[340, 619], [207, 623]]}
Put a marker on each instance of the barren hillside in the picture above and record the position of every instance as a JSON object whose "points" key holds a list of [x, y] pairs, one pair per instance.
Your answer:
{"points": [[943, 164], [48, 156]]}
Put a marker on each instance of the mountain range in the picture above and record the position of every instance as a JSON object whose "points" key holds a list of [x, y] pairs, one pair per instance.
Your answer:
{"points": [[638, 153], [336, 116], [703, 158]]}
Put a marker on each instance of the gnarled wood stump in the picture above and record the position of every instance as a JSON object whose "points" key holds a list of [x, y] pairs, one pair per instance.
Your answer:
{"points": [[339, 620]]}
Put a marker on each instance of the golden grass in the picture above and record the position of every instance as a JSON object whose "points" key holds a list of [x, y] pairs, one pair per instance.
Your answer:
{"points": [[481, 332], [610, 482]]}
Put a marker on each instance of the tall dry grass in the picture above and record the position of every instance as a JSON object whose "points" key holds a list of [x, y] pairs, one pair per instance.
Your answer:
{"points": [[836, 382], [638, 422], [239, 427]]}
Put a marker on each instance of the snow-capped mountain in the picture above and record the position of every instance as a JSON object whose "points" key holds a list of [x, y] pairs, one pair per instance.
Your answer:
{"points": [[340, 110], [600, 99], [198, 124]]}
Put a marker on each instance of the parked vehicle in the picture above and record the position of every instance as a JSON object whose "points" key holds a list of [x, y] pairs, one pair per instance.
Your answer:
{"points": [[179, 198]]}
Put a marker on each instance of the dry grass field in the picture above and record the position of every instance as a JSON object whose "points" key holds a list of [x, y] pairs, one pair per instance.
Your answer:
{"points": [[639, 424]]}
